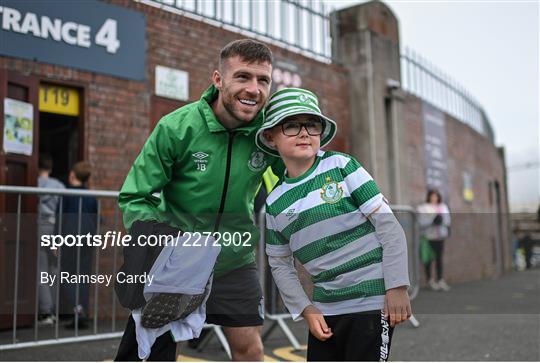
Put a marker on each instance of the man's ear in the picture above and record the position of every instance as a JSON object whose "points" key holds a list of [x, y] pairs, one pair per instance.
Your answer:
{"points": [[216, 79]]}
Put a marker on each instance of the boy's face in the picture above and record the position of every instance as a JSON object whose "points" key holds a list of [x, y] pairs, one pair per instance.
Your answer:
{"points": [[243, 88], [301, 147]]}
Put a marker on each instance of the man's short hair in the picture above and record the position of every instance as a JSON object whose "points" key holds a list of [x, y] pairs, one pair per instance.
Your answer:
{"points": [[45, 162], [248, 50], [82, 171]]}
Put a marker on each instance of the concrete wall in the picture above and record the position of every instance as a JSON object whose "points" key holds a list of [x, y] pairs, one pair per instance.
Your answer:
{"points": [[388, 138]]}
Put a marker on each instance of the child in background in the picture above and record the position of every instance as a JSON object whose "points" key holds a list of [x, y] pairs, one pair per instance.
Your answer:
{"points": [[328, 213]]}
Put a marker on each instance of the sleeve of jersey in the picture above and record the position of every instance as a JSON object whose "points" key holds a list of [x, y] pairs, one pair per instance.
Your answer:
{"points": [[362, 187], [150, 172], [276, 244]]}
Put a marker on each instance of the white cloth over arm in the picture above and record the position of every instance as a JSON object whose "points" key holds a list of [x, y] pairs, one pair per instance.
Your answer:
{"points": [[183, 269]]}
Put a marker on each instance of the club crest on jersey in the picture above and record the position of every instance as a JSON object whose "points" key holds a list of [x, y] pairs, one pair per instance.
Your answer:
{"points": [[331, 192], [257, 162]]}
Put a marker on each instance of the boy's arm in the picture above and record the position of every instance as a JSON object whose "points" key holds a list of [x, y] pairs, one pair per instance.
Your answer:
{"points": [[289, 286], [397, 306], [394, 243], [374, 206]]}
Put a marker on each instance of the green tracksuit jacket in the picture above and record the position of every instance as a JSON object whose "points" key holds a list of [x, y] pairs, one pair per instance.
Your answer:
{"points": [[207, 175]]}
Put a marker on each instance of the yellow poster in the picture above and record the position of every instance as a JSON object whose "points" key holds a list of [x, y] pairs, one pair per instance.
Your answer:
{"points": [[58, 99]]}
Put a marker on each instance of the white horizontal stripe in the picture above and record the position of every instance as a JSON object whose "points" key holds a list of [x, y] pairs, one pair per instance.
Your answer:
{"points": [[351, 278], [276, 105], [270, 222], [325, 228], [351, 306], [278, 251], [292, 94], [349, 251], [357, 179], [371, 205]]}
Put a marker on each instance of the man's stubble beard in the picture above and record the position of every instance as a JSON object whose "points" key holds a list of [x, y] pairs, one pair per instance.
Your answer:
{"points": [[229, 103]]}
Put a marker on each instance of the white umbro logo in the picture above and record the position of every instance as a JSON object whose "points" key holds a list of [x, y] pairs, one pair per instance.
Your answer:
{"points": [[200, 160], [200, 155]]}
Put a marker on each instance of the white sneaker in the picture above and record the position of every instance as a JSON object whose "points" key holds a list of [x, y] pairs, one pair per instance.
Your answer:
{"points": [[433, 285], [46, 319], [443, 285]]}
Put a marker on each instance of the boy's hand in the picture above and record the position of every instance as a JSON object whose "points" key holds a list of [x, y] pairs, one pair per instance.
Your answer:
{"points": [[397, 305], [317, 324]]}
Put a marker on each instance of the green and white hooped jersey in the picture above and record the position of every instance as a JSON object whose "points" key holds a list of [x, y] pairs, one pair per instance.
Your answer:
{"points": [[321, 218]]}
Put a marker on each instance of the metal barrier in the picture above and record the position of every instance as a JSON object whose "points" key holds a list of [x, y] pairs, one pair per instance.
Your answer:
{"points": [[276, 315], [303, 27], [21, 192], [94, 335]]}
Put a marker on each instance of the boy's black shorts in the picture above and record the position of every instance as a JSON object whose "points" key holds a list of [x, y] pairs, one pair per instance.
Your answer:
{"points": [[364, 336], [236, 299]]}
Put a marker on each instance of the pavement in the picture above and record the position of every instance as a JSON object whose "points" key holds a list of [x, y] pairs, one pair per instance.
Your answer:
{"points": [[488, 320]]}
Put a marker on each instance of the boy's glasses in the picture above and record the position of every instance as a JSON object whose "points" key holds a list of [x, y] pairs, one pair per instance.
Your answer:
{"points": [[293, 128]]}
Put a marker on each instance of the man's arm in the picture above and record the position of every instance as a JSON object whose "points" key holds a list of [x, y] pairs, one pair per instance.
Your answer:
{"points": [[150, 172]]}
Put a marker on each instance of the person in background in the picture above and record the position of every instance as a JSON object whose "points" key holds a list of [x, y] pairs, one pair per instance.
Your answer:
{"points": [[434, 220], [77, 260], [527, 243], [46, 221]]}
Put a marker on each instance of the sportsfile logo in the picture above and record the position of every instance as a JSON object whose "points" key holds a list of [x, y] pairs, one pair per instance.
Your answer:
{"points": [[200, 160]]}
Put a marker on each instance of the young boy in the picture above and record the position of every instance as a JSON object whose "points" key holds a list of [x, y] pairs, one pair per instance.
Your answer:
{"points": [[327, 212]]}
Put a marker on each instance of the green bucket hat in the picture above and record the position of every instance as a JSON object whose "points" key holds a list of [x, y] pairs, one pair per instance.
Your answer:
{"points": [[289, 102]]}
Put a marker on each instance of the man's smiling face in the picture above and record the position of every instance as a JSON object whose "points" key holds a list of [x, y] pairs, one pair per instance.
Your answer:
{"points": [[243, 90]]}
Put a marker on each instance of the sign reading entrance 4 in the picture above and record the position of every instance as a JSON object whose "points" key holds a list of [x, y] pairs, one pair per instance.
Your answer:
{"points": [[57, 99]]}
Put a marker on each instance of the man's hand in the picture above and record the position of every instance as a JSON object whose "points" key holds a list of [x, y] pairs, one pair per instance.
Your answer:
{"points": [[397, 305], [317, 324]]}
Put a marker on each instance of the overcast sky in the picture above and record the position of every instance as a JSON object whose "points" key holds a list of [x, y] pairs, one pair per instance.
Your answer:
{"points": [[492, 49]]}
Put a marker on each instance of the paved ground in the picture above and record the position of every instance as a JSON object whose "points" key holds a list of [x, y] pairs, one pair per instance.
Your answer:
{"points": [[476, 321]]}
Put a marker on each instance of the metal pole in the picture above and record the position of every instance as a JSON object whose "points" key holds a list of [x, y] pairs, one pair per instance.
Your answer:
{"points": [[234, 12], [16, 287], [113, 315], [58, 271], [38, 255], [250, 14], [269, 26], [282, 21], [78, 270], [298, 27], [311, 31], [98, 231]]}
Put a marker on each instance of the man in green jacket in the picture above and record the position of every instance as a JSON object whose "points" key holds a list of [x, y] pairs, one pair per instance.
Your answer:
{"points": [[198, 172]]}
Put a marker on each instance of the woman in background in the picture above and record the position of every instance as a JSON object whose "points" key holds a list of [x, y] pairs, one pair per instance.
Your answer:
{"points": [[434, 219]]}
